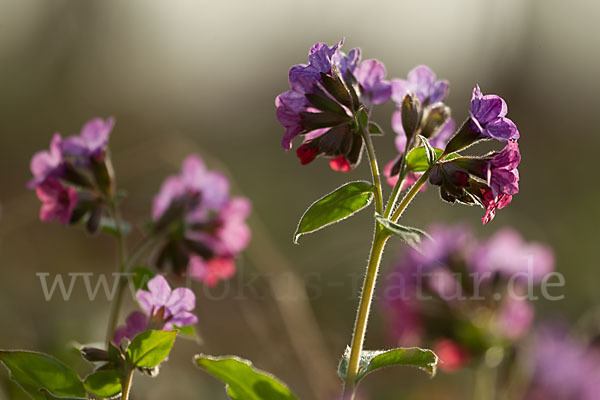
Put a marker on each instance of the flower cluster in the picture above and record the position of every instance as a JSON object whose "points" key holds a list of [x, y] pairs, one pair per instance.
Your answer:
{"points": [[454, 294], [322, 101], [74, 179], [164, 309], [204, 226]]}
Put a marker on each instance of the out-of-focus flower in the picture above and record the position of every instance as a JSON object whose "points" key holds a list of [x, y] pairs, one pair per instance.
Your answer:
{"points": [[488, 114], [507, 254], [450, 287], [75, 168], [47, 164], [58, 201], [212, 271], [564, 368], [202, 223], [92, 140], [135, 323], [452, 356]]}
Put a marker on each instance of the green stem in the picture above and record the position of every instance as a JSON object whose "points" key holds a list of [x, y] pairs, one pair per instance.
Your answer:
{"points": [[127, 384], [366, 298], [410, 195], [374, 170], [121, 265]]}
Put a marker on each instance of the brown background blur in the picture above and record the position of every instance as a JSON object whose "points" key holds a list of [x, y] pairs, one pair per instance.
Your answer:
{"points": [[199, 76]]}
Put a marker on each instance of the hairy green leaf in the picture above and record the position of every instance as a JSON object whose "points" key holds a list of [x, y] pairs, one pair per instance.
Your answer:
{"points": [[336, 206], [150, 348], [244, 381]]}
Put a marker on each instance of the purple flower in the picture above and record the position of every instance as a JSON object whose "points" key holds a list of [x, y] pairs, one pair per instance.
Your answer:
{"points": [[563, 368], [371, 76], [508, 254], [172, 307], [422, 82], [135, 323], [47, 164], [303, 79], [488, 114], [200, 218], [316, 107], [57, 200], [92, 140]]}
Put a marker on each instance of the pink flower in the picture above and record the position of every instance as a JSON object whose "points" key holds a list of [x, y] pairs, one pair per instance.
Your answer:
{"points": [[57, 200], [212, 271], [47, 164], [172, 307]]}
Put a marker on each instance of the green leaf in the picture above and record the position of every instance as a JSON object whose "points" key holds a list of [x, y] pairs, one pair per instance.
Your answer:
{"points": [[336, 206], [108, 225], [375, 129], [103, 383], [431, 154], [50, 396], [35, 371], [424, 359], [150, 348], [188, 332], [416, 160], [141, 276], [244, 381], [362, 118], [412, 236]]}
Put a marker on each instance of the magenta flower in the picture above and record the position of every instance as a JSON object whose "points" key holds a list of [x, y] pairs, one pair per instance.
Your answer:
{"points": [[503, 180], [488, 114], [135, 323], [57, 200], [92, 140], [172, 307], [47, 164], [200, 220]]}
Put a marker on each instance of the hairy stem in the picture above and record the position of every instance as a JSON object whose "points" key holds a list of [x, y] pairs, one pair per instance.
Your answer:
{"points": [[410, 195], [126, 390], [374, 171], [366, 298]]}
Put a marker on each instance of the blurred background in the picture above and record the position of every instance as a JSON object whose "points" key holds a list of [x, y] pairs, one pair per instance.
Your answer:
{"points": [[196, 76]]}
